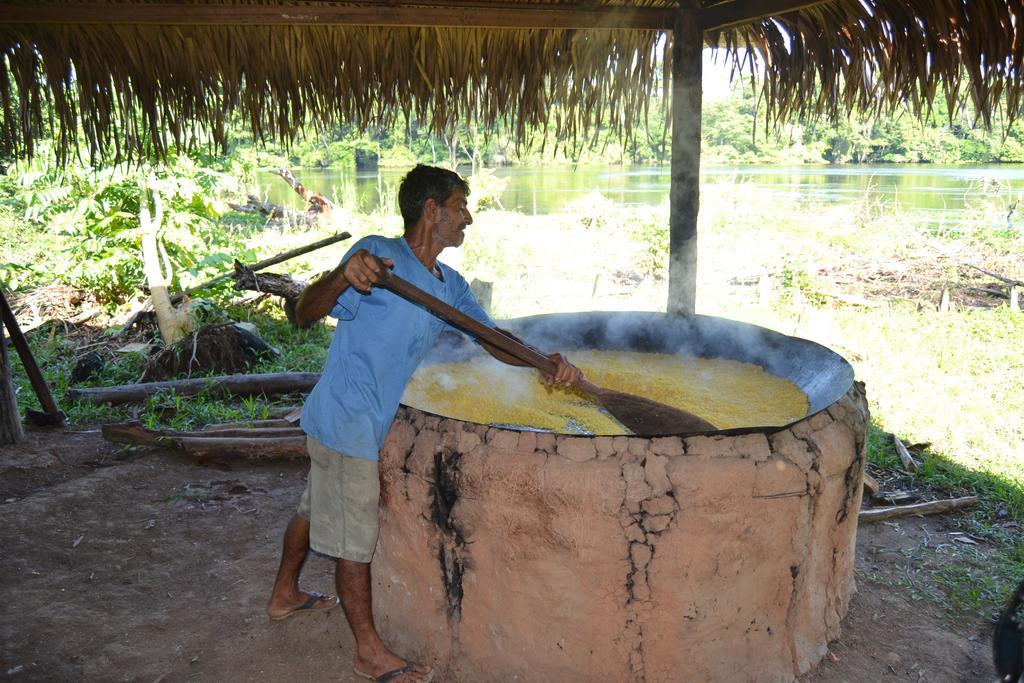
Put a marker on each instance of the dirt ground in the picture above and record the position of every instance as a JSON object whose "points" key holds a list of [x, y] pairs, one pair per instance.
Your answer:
{"points": [[143, 566]]}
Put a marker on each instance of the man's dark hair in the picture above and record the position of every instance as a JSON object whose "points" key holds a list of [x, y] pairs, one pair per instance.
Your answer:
{"points": [[423, 183]]}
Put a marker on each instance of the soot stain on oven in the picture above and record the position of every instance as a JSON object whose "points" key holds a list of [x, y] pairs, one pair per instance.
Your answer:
{"points": [[451, 548]]}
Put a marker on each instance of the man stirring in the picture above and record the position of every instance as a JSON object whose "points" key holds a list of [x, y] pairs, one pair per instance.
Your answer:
{"points": [[378, 344]]}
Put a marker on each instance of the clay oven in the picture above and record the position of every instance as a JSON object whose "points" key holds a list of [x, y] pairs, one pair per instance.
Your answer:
{"points": [[516, 555]]}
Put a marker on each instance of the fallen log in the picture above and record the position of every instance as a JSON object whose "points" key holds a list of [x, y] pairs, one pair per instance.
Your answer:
{"points": [[255, 443], [281, 447], [250, 424], [856, 300], [136, 434], [232, 385], [284, 286], [249, 432], [133, 433], [930, 508]]}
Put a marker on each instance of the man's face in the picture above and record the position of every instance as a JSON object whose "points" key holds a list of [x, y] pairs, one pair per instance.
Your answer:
{"points": [[454, 217]]}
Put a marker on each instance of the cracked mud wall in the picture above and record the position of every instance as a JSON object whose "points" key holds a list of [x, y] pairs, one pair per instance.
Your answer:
{"points": [[519, 555]]}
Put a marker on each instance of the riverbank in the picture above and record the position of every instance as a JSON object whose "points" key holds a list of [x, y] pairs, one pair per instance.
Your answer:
{"points": [[936, 194]]}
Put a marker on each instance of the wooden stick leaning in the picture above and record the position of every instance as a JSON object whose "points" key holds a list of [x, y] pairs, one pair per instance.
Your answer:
{"points": [[1001, 278], [930, 508], [909, 464], [11, 430], [266, 263], [640, 415], [52, 414]]}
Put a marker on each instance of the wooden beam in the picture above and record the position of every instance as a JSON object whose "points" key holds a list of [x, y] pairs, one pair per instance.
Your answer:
{"points": [[929, 508], [425, 13], [729, 14], [10, 417], [684, 191], [233, 385], [28, 362]]}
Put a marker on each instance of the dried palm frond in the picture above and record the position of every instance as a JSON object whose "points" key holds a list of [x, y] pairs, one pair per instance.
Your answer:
{"points": [[874, 56], [126, 90]]}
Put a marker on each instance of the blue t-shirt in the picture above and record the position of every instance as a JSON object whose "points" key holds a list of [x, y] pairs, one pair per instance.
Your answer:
{"points": [[380, 340]]}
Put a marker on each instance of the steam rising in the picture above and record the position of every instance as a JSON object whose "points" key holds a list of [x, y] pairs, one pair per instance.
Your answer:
{"points": [[820, 373], [729, 393]]}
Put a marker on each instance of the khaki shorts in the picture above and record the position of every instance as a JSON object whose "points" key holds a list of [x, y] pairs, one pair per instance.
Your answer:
{"points": [[340, 502]]}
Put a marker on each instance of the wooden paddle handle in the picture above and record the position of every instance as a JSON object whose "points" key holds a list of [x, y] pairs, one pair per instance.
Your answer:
{"points": [[409, 291]]}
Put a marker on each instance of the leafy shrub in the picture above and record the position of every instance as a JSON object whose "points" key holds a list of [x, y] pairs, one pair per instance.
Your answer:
{"points": [[650, 232], [797, 282], [93, 214], [591, 209], [486, 189], [397, 156]]}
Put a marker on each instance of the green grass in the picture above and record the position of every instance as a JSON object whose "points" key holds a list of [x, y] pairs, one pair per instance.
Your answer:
{"points": [[952, 380], [981, 583], [55, 353]]}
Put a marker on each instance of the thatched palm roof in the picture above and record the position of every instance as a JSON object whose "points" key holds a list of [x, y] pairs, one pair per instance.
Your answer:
{"points": [[125, 74]]}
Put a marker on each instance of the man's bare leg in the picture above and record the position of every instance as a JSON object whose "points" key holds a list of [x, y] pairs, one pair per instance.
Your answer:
{"points": [[352, 580], [286, 596]]}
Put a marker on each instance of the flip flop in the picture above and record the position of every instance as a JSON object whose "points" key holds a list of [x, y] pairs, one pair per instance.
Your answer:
{"points": [[310, 605], [387, 676]]}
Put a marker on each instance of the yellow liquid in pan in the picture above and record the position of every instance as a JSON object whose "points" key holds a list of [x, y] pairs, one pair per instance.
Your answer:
{"points": [[727, 393]]}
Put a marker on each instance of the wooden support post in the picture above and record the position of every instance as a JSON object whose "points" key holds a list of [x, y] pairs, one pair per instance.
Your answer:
{"points": [[684, 193], [10, 417], [52, 414]]}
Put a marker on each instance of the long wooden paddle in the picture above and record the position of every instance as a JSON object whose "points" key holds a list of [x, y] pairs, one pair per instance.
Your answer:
{"points": [[639, 415]]}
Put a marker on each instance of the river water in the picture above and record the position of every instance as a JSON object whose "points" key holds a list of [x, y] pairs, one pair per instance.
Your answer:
{"points": [[940, 191]]}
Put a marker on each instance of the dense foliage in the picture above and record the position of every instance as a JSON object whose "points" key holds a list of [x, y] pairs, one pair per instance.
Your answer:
{"points": [[80, 225], [734, 131], [89, 215]]}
